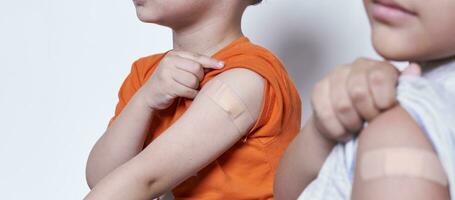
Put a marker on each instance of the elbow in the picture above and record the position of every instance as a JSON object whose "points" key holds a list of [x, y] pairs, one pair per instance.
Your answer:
{"points": [[91, 175], [90, 171], [156, 186], [89, 179], [95, 171], [90, 183], [144, 178]]}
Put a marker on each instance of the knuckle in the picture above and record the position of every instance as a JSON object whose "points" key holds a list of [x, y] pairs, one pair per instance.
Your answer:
{"points": [[195, 67], [377, 77], [186, 92], [342, 107], [356, 79], [197, 56], [361, 60], [194, 82], [343, 67], [358, 93], [354, 125], [343, 137], [337, 134], [190, 93]]}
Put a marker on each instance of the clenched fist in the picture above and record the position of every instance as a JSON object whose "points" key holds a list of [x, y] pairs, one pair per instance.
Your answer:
{"points": [[352, 94], [177, 75]]}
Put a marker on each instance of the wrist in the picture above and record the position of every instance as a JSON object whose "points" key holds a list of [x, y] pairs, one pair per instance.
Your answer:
{"points": [[312, 123], [140, 100]]}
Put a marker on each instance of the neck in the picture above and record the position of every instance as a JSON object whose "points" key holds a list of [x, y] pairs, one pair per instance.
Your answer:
{"points": [[431, 65], [207, 37]]}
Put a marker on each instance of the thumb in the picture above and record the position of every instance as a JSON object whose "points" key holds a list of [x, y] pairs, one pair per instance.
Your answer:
{"points": [[413, 69]]}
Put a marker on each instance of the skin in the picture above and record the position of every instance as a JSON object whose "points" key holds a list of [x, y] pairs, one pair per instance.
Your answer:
{"points": [[364, 91], [177, 75], [432, 26], [350, 95], [395, 128], [433, 30], [118, 166]]}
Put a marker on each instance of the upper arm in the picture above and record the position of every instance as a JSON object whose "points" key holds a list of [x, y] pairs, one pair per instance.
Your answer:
{"points": [[202, 133], [394, 129]]}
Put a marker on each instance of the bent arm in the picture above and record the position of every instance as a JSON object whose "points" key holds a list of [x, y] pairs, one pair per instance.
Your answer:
{"points": [[123, 140], [204, 132], [301, 162]]}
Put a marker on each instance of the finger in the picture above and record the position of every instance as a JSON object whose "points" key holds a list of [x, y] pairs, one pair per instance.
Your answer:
{"points": [[382, 81], [184, 91], [361, 96], [413, 69], [191, 67], [326, 119], [185, 78], [341, 101], [205, 61]]}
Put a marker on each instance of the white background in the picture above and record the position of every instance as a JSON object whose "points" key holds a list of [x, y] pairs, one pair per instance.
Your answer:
{"points": [[62, 62]]}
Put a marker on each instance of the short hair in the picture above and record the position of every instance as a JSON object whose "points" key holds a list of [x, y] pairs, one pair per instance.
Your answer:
{"points": [[255, 2]]}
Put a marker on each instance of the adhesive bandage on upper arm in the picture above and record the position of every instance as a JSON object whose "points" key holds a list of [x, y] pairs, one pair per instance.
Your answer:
{"points": [[221, 94], [402, 162]]}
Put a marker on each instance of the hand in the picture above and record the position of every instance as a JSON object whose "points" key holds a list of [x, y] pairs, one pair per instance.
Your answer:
{"points": [[177, 75], [353, 94]]}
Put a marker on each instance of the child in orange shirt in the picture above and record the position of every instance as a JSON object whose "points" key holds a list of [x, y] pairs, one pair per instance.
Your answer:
{"points": [[207, 120]]}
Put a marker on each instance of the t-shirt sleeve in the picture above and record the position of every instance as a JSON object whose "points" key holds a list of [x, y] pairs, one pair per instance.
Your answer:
{"points": [[431, 105], [130, 85], [267, 123]]}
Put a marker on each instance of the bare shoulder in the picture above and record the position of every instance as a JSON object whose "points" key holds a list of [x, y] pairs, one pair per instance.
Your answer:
{"points": [[246, 84], [394, 127]]}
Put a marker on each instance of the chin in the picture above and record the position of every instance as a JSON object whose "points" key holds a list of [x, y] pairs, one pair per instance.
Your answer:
{"points": [[395, 53], [147, 16], [407, 51], [399, 45], [164, 18]]}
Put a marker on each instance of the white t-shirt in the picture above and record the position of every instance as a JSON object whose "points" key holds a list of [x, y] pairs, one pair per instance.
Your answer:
{"points": [[430, 100]]}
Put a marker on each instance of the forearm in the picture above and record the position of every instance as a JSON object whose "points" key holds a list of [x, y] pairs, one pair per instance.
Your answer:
{"points": [[301, 162], [129, 181], [123, 140], [203, 133]]}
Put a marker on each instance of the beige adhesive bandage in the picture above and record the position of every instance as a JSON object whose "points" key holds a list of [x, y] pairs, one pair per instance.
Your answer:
{"points": [[230, 102], [402, 162]]}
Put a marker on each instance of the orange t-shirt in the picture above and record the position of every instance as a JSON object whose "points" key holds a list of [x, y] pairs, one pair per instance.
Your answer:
{"points": [[246, 170]]}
